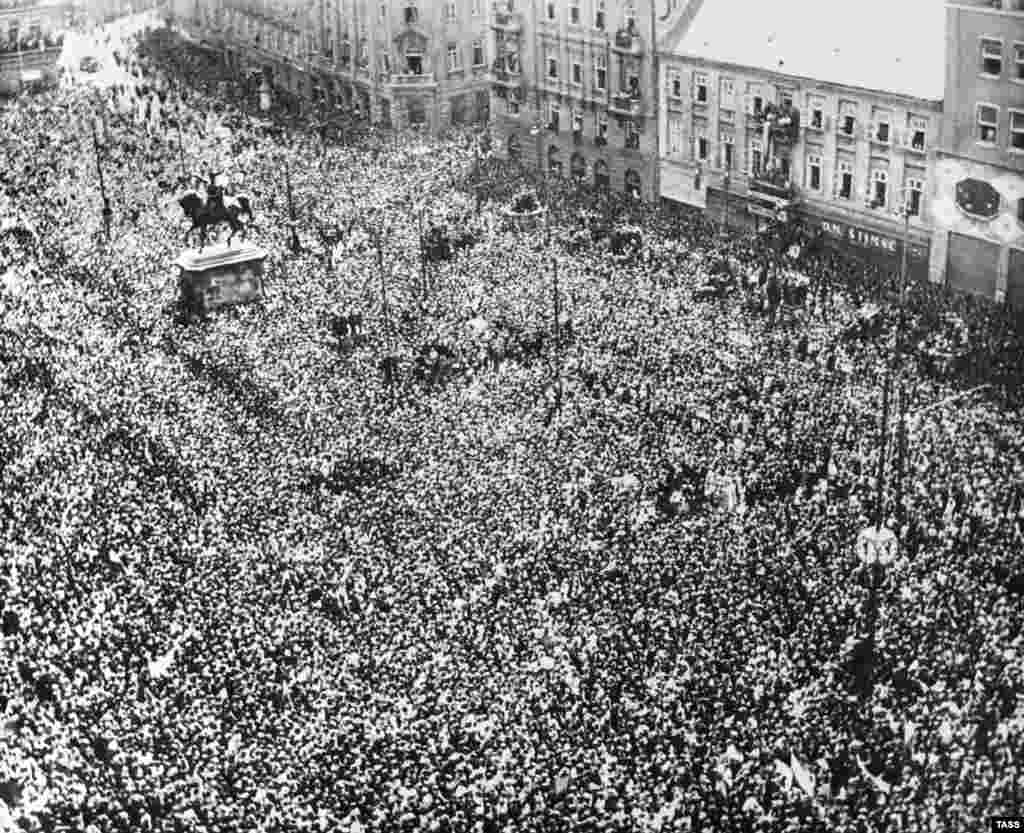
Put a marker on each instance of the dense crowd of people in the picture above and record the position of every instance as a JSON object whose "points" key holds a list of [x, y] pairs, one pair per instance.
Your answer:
{"points": [[541, 532]]}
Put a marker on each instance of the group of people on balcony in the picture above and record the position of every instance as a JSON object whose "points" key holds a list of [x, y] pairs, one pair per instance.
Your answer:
{"points": [[28, 42]]}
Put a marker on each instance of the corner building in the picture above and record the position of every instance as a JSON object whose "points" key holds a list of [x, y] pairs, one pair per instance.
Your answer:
{"points": [[397, 62], [978, 200], [573, 87], [769, 122]]}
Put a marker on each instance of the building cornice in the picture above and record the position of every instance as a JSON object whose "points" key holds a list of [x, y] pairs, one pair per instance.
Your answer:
{"points": [[799, 80]]}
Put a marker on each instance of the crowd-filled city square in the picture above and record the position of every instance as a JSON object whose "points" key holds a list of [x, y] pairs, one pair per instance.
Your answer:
{"points": [[466, 526]]}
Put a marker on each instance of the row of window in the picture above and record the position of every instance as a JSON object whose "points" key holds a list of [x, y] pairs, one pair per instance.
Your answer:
{"points": [[412, 13], [629, 78], [844, 183], [552, 9], [991, 59], [880, 128], [630, 130], [987, 127]]}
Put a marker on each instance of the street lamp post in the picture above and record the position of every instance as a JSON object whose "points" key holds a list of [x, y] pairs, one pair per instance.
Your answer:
{"points": [[558, 333], [294, 235], [877, 545], [181, 144], [107, 211]]}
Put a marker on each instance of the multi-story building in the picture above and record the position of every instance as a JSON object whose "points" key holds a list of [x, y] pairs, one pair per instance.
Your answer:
{"points": [[573, 87], [396, 62], [978, 200], [768, 121], [31, 33]]}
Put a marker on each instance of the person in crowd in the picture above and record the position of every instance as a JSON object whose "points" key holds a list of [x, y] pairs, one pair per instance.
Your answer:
{"points": [[608, 581]]}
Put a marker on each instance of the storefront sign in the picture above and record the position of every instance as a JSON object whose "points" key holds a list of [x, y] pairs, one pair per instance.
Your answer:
{"points": [[869, 239]]}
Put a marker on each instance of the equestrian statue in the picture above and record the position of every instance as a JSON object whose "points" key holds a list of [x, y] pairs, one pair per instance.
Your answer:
{"points": [[215, 208]]}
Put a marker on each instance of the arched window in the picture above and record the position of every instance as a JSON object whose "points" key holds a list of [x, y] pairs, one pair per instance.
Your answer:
{"points": [[578, 167], [601, 179]]}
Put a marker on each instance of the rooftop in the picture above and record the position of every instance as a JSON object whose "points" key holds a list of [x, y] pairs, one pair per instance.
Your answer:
{"points": [[895, 46]]}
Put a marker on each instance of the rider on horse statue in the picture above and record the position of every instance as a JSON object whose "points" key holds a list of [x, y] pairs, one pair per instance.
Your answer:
{"points": [[214, 191], [217, 207]]}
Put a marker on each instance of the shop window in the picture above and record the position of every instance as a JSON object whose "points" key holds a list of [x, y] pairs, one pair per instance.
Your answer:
{"points": [[988, 123], [991, 57]]}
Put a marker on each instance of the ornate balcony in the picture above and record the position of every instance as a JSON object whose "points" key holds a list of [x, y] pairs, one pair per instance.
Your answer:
{"points": [[628, 105], [408, 81], [627, 42], [774, 185], [507, 20]]}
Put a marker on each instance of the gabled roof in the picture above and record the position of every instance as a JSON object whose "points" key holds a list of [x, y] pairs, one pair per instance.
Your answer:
{"points": [[895, 46]]}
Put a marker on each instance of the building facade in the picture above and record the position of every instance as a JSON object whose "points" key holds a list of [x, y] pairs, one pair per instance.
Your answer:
{"points": [[978, 199], [31, 34], [397, 62], [758, 128], [573, 88]]}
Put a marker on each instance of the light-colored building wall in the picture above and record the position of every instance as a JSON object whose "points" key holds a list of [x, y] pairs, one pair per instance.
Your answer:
{"points": [[707, 106], [394, 62], [978, 189], [573, 88], [28, 42]]}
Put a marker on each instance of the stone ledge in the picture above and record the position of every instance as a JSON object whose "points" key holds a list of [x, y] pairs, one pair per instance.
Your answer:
{"points": [[218, 256]]}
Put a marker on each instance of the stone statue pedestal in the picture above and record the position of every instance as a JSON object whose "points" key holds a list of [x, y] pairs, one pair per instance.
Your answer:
{"points": [[219, 276]]}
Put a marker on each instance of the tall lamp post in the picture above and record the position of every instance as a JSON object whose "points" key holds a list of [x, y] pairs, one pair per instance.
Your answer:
{"points": [[293, 240], [107, 211], [877, 545]]}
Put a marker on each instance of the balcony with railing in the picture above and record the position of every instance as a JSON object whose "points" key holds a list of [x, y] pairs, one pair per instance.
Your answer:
{"points": [[506, 19], [627, 103], [504, 74], [413, 81], [628, 42], [773, 183]]}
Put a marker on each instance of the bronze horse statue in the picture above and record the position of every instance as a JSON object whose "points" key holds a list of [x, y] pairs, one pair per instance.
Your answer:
{"points": [[214, 209]]}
